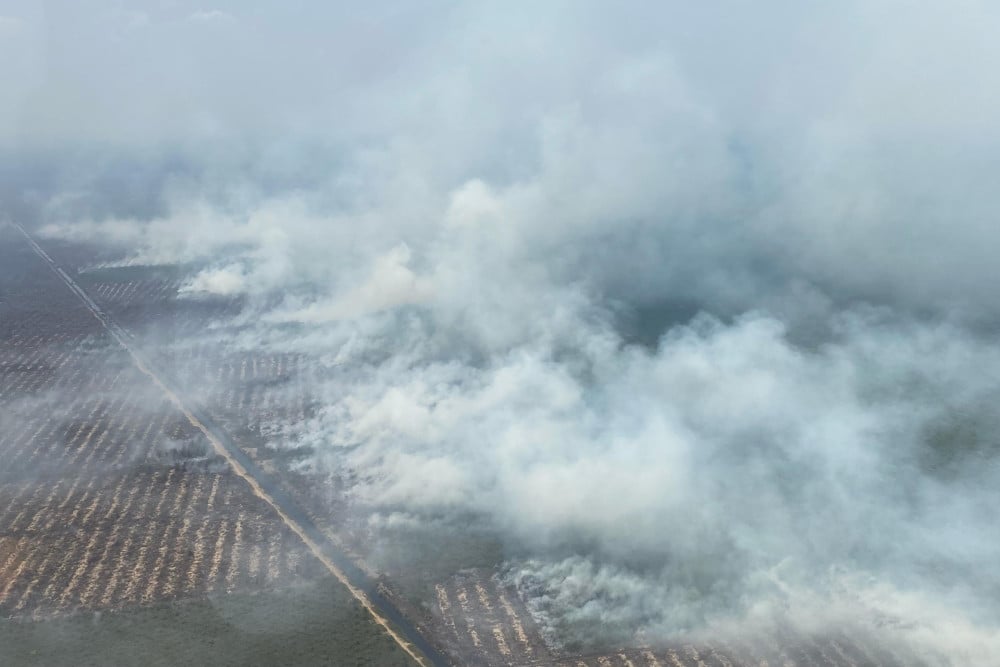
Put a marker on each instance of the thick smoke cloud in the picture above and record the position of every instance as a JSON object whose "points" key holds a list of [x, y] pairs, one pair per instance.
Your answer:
{"points": [[693, 306]]}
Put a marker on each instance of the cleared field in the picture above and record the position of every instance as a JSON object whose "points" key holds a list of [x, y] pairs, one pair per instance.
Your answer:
{"points": [[111, 541], [112, 503], [108, 497]]}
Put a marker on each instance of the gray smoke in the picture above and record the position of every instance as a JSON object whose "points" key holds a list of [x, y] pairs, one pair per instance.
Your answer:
{"points": [[693, 307]]}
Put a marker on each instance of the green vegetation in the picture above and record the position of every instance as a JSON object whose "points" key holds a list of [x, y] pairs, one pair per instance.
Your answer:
{"points": [[318, 624]]}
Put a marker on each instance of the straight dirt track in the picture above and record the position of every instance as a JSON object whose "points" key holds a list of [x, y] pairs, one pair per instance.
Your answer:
{"points": [[361, 586]]}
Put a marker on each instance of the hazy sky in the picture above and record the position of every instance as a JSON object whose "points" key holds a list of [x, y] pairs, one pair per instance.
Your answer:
{"points": [[829, 134]]}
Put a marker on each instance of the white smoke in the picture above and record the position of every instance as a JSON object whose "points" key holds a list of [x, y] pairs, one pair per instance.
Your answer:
{"points": [[691, 306], [227, 281]]}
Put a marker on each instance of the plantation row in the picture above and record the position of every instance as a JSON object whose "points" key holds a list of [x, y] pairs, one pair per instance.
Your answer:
{"points": [[153, 308], [255, 396], [23, 328], [134, 291], [104, 541], [71, 409], [485, 623], [762, 651], [96, 431], [205, 362], [31, 370], [35, 308], [109, 497], [89, 367]]}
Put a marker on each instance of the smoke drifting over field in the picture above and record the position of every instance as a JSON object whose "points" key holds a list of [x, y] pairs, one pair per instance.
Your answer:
{"points": [[695, 308]]}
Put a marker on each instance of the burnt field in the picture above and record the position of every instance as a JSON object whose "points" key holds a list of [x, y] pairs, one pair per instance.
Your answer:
{"points": [[112, 502], [487, 624]]}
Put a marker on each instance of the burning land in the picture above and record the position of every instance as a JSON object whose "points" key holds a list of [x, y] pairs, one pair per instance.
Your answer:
{"points": [[118, 510], [499, 334]]}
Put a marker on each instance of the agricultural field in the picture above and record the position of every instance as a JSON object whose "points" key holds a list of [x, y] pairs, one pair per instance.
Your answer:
{"points": [[487, 624], [119, 517], [123, 536]]}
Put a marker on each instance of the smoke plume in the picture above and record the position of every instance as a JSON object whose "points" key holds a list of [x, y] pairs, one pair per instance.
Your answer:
{"points": [[693, 308]]}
